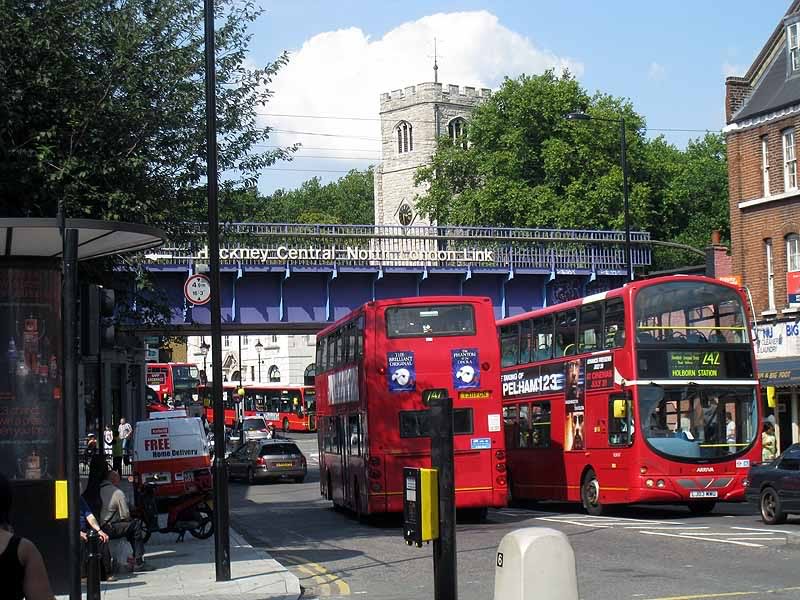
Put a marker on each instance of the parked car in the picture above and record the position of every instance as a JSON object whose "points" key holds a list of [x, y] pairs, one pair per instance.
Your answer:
{"points": [[267, 459], [256, 428], [775, 486]]}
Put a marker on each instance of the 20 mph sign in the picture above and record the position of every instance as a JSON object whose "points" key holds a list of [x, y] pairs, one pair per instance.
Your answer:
{"points": [[197, 289]]}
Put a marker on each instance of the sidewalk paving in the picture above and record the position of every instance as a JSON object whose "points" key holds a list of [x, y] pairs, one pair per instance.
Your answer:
{"points": [[187, 570]]}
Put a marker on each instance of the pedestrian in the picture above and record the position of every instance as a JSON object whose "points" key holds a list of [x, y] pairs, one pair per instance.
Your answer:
{"points": [[98, 469], [108, 440], [125, 432], [117, 521], [22, 570], [116, 453], [769, 443]]}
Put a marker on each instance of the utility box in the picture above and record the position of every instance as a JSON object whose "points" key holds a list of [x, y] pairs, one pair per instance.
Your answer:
{"points": [[535, 563], [420, 505]]}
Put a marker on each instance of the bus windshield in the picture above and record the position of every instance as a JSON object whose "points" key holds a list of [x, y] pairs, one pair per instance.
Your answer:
{"points": [[698, 422], [311, 400], [430, 321], [690, 312], [282, 401]]}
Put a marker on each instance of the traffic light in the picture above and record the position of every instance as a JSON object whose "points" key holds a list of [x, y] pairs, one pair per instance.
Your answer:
{"points": [[97, 325]]}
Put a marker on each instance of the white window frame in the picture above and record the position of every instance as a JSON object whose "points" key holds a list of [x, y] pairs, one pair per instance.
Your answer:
{"points": [[789, 160], [765, 164], [793, 42], [770, 274], [793, 252]]}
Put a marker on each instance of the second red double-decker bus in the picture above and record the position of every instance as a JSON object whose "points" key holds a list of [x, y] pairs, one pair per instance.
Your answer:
{"points": [[174, 383], [372, 367], [286, 407], [647, 393]]}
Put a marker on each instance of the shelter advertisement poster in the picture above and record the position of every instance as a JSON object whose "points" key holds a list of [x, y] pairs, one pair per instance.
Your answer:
{"points": [[574, 376], [30, 361], [466, 368], [402, 373]]}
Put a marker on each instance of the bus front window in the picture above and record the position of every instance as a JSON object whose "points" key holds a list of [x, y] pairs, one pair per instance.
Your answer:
{"points": [[698, 422]]}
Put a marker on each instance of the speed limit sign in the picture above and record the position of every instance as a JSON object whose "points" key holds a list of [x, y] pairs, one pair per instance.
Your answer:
{"points": [[197, 289]]}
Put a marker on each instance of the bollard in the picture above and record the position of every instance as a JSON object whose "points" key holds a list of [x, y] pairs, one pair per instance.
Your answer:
{"points": [[93, 566], [535, 563]]}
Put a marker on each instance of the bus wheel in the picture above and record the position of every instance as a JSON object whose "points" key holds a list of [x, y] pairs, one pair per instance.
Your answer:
{"points": [[771, 509], [590, 494], [285, 425], [702, 508]]}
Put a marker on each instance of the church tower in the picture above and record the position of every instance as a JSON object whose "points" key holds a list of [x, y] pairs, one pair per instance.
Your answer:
{"points": [[411, 121]]}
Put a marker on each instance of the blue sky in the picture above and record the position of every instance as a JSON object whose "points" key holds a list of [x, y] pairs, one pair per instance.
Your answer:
{"points": [[669, 58]]}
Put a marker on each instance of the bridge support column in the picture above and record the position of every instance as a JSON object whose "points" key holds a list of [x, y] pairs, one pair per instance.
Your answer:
{"points": [[328, 304], [378, 275], [503, 303], [282, 308]]}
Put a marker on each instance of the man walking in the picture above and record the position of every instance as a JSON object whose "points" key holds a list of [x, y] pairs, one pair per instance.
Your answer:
{"points": [[125, 431]]}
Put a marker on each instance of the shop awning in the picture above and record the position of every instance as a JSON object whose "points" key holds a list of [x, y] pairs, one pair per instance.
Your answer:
{"points": [[779, 371]]}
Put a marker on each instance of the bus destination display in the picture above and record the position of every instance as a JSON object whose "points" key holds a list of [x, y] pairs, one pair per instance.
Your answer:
{"points": [[690, 363]]}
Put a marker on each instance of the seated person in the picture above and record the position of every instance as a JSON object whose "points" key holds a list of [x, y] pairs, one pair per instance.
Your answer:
{"points": [[117, 520]]}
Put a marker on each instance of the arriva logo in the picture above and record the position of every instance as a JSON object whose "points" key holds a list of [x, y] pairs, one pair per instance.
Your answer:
{"points": [[705, 469]]}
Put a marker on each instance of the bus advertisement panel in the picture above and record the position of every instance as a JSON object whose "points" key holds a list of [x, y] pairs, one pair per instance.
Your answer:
{"points": [[372, 368], [647, 393]]}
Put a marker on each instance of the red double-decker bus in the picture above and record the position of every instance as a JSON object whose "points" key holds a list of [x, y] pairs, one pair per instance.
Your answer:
{"points": [[173, 383], [286, 407], [646, 393], [372, 367]]}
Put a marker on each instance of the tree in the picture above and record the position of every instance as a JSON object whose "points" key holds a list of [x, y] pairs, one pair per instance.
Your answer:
{"points": [[102, 107], [525, 165]]}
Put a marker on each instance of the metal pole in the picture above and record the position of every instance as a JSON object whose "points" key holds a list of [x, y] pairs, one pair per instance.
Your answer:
{"points": [[624, 161], [93, 565], [69, 301], [222, 547], [445, 573]]}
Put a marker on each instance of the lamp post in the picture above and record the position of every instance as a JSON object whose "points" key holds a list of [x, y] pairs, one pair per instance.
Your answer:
{"points": [[204, 348], [580, 116], [259, 348]]}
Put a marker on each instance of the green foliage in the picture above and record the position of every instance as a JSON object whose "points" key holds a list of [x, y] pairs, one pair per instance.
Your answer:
{"points": [[528, 166]]}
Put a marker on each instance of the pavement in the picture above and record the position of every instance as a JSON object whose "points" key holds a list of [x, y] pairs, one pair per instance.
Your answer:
{"points": [[187, 570]]}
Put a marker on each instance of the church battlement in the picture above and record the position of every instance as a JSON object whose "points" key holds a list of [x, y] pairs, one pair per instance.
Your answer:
{"points": [[432, 92]]}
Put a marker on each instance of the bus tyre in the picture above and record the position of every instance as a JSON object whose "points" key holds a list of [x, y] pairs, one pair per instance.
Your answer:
{"points": [[285, 425], [702, 508], [590, 494], [771, 510]]}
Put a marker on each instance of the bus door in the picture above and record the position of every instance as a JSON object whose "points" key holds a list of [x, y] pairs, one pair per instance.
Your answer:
{"points": [[344, 455]]}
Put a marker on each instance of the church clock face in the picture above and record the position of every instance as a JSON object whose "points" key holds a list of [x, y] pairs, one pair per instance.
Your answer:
{"points": [[406, 215]]}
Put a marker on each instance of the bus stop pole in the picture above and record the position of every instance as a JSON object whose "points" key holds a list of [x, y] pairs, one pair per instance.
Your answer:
{"points": [[445, 575], [222, 546]]}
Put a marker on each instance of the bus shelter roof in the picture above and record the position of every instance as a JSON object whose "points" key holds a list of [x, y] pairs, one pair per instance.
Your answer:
{"points": [[20, 238]]}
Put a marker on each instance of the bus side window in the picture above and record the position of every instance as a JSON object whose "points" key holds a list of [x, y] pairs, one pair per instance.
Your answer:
{"points": [[360, 337], [620, 421], [566, 332], [543, 338], [524, 426], [525, 350], [509, 344], [511, 426], [614, 323], [540, 425], [590, 324]]}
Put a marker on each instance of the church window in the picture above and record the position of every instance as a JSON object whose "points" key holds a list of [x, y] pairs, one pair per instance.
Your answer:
{"points": [[457, 131], [405, 215], [405, 139]]}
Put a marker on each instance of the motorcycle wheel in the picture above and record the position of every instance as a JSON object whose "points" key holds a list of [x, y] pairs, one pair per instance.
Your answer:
{"points": [[206, 528]]}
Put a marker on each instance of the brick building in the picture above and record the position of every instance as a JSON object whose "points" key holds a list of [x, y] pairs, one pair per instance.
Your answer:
{"points": [[762, 110]]}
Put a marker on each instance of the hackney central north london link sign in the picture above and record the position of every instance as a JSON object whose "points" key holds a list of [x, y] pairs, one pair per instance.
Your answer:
{"points": [[348, 253]]}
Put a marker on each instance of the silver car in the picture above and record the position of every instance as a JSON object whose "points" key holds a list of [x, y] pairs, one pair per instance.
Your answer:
{"points": [[256, 428], [267, 459]]}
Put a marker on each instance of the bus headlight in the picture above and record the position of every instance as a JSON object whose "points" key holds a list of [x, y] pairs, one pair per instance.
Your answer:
{"points": [[660, 483], [649, 483]]}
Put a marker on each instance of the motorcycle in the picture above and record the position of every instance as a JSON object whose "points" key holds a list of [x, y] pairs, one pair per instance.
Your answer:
{"points": [[192, 512]]}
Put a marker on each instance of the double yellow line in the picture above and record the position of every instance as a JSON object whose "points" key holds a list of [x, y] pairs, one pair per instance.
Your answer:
{"points": [[324, 581]]}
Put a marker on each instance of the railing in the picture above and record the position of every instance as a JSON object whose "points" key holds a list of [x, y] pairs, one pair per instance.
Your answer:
{"points": [[395, 245]]}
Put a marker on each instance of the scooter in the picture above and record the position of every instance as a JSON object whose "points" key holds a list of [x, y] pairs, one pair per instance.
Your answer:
{"points": [[192, 512]]}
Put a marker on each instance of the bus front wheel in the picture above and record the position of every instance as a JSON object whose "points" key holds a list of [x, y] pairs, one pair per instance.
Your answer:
{"points": [[590, 494]]}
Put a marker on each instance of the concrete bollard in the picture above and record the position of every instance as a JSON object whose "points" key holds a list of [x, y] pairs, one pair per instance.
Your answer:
{"points": [[535, 563]]}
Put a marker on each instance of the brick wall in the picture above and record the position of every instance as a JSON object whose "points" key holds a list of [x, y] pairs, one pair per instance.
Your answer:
{"points": [[737, 89], [774, 220]]}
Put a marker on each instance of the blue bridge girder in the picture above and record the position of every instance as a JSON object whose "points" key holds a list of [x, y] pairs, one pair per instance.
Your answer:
{"points": [[281, 277]]}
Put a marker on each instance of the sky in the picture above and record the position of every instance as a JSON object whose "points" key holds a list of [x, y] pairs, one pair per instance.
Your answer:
{"points": [[669, 58]]}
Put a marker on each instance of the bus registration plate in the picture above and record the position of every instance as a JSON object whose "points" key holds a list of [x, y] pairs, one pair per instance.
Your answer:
{"points": [[702, 494]]}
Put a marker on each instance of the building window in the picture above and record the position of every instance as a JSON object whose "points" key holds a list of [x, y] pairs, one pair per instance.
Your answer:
{"points": [[770, 275], [308, 375], [794, 59], [789, 161], [405, 137], [245, 340], [765, 165], [405, 215], [226, 341], [274, 374], [793, 253], [274, 339], [457, 131]]}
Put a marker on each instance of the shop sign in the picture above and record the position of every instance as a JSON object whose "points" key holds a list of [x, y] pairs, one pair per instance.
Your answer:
{"points": [[777, 340]]}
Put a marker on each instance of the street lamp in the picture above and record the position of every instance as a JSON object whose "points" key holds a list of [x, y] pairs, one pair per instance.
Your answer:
{"points": [[259, 348], [204, 348], [581, 116]]}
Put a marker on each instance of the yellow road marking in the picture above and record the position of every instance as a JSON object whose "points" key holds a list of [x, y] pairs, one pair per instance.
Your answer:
{"points": [[323, 579], [727, 594]]}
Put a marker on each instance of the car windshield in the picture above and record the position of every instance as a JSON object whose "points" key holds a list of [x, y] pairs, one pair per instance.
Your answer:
{"points": [[279, 449], [254, 424], [698, 422]]}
